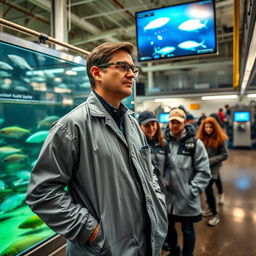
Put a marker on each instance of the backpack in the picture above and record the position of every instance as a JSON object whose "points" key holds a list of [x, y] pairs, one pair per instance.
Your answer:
{"points": [[190, 146]]}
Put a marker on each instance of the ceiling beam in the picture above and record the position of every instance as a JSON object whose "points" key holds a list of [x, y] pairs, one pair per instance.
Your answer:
{"points": [[109, 33], [81, 2], [76, 20], [110, 12]]}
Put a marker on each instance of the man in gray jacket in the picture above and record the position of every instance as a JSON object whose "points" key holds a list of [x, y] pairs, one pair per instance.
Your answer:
{"points": [[189, 176], [113, 205]]}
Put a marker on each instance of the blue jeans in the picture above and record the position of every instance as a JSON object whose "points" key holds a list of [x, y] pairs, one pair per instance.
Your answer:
{"points": [[189, 238], [210, 197], [218, 183]]}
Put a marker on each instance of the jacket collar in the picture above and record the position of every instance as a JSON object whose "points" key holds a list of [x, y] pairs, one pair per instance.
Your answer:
{"points": [[97, 109]]}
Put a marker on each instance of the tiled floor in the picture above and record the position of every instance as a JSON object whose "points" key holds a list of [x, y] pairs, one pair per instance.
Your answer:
{"points": [[235, 235]]}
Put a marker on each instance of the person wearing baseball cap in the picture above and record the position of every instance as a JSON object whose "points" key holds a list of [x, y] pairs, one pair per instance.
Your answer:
{"points": [[159, 148], [189, 176], [146, 117], [177, 114], [177, 121]]}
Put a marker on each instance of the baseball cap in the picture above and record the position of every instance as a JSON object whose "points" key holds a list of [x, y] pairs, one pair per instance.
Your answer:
{"points": [[190, 117], [146, 117], [177, 114]]}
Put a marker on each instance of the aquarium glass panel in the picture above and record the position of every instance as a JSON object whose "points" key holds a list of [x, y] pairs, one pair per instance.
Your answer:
{"points": [[37, 87]]}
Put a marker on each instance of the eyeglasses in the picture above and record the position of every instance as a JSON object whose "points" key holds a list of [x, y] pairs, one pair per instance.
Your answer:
{"points": [[123, 67]]}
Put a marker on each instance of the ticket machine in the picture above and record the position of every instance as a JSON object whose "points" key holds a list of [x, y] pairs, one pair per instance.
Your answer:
{"points": [[242, 119]]}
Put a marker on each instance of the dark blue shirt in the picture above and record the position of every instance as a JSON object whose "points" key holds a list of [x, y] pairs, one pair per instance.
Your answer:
{"points": [[116, 113]]}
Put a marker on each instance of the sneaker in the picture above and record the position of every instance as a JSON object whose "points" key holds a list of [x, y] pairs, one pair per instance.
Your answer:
{"points": [[166, 247], [207, 213], [214, 221], [221, 198]]}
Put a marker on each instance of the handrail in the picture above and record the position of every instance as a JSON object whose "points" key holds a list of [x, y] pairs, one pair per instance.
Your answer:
{"points": [[42, 36]]}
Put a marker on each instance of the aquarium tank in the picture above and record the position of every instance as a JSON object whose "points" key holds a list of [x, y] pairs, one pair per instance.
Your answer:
{"points": [[38, 85]]}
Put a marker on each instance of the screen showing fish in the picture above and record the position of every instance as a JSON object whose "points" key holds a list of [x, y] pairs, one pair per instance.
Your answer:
{"points": [[177, 31]]}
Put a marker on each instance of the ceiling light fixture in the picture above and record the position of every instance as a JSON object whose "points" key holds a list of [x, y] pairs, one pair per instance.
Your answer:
{"points": [[219, 97], [253, 95]]}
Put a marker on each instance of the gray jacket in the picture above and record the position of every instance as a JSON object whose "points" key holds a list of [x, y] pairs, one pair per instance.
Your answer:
{"points": [[216, 156], [187, 179], [160, 161], [87, 152]]}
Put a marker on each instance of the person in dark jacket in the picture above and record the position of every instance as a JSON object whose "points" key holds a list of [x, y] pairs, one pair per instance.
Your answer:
{"points": [[159, 148], [189, 176], [214, 139], [218, 181], [113, 205]]}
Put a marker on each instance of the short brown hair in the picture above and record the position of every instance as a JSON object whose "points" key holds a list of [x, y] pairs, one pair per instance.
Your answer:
{"points": [[102, 54]]}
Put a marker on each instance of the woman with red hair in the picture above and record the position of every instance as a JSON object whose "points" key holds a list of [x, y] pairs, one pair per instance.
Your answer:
{"points": [[214, 139]]}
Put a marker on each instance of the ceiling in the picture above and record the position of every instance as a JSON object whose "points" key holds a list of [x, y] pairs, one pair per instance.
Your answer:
{"points": [[92, 22], [97, 21]]}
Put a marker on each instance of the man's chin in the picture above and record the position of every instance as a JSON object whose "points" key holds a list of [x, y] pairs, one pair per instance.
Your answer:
{"points": [[127, 93]]}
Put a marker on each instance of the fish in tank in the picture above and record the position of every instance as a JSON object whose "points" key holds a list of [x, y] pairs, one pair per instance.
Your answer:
{"points": [[38, 86]]}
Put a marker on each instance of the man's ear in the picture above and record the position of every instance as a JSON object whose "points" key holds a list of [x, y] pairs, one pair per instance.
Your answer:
{"points": [[96, 73]]}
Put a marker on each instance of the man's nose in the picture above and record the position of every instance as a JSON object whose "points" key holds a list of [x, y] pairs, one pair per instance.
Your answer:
{"points": [[130, 73]]}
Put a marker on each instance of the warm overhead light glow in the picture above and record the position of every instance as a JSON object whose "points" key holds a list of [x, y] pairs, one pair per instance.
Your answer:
{"points": [[251, 95], [219, 97], [166, 99]]}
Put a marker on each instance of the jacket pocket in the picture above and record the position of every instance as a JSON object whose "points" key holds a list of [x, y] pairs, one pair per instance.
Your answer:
{"points": [[96, 247], [127, 246]]}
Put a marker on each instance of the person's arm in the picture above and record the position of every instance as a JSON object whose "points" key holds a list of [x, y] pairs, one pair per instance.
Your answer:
{"points": [[202, 173], [221, 156], [46, 195]]}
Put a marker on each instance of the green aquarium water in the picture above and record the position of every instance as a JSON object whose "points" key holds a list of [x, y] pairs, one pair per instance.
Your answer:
{"points": [[38, 86], [23, 130]]}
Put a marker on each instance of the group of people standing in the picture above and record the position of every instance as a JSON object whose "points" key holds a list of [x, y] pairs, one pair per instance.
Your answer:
{"points": [[190, 165], [94, 181]]}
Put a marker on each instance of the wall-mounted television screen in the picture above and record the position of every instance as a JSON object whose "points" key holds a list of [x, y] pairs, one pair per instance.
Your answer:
{"points": [[242, 116], [164, 118], [176, 31]]}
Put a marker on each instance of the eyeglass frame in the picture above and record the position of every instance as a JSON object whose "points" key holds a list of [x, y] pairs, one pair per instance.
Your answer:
{"points": [[135, 69]]}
